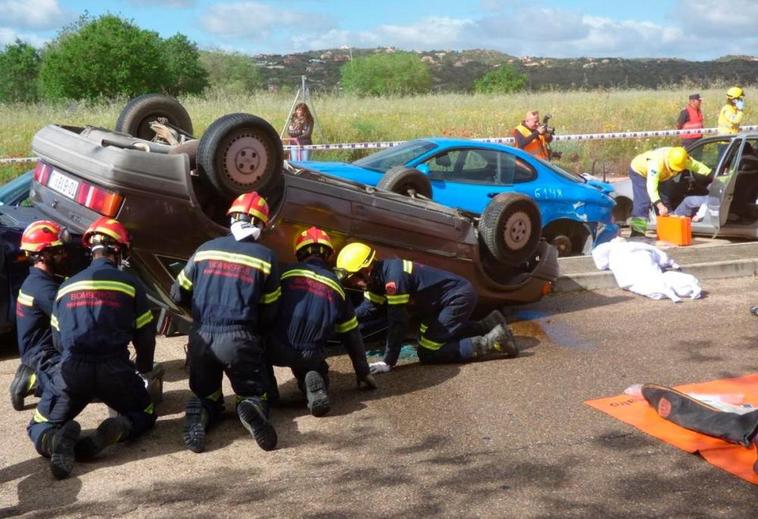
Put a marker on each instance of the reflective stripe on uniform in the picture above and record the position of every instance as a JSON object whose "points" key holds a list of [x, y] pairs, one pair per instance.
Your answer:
{"points": [[54, 322], [113, 286], [39, 417], [230, 257], [271, 296], [429, 345], [407, 266], [347, 325], [184, 281], [143, 319], [399, 299], [423, 327], [150, 409], [25, 299], [374, 298], [315, 277], [215, 395]]}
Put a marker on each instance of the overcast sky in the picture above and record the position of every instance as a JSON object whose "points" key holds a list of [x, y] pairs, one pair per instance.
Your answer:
{"points": [[690, 29]]}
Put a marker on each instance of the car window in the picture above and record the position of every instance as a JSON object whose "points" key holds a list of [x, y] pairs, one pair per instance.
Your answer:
{"points": [[709, 153], [523, 172], [474, 166], [395, 156]]}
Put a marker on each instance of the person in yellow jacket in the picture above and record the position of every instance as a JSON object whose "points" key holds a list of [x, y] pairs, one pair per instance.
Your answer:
{"points": [[732, 113], [647, 172]]}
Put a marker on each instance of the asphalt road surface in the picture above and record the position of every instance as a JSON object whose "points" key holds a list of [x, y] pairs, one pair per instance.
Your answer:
{"points": [[505, 438]]}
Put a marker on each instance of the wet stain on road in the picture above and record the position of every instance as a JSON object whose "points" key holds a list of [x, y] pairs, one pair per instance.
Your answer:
{"points": [[533, 323]]}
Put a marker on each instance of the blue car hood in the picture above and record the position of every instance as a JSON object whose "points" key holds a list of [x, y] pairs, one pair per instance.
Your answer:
{"points": [[604, 187]]}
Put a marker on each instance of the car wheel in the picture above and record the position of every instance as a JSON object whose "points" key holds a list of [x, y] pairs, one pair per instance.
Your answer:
{"points": [[622, 211], [138, 113], [406, 181], [567, 236], [510, 228], [240, 153]]}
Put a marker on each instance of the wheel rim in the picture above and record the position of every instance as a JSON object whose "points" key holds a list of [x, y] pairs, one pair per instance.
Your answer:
{"points": [[245, 159], [563, 244], [517, 231]]}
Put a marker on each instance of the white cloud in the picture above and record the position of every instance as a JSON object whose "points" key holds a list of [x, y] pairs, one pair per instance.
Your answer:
{"points": [[9, 37], [719, 18], [257, 20], [32, 14], [167, 3]]}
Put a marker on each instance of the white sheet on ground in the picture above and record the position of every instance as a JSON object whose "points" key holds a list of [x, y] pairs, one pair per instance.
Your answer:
{"points": [[640, 268]]}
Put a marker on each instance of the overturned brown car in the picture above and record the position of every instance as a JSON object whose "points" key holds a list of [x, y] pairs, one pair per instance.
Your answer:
{"points": [[172, 198]]}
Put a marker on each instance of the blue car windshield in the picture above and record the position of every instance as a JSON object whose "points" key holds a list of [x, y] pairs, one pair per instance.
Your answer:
{"points": [[395, 156], [562, 172]]}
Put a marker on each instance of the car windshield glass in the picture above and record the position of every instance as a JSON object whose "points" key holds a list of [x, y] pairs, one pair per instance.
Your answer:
{"points": [[395, 156], [562, 172]]}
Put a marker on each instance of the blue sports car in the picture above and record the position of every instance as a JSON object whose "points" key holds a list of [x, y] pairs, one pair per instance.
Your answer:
{"points": [[576, 212]]}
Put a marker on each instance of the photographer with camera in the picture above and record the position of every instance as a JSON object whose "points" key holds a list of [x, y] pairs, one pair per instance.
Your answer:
{"points": [[534, 137]]}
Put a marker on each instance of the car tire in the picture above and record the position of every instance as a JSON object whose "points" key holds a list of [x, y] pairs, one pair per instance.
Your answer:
{"points": [[139, 112], [406, 181], [240, 153], [567, 236], [510, 228]]}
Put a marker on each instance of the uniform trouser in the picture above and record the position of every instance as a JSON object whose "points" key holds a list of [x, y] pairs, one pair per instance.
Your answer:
{"points": [[112, 380], [690, 205], [446, 337], [45, 364], [691, 414], [236, 352], [641, 203], [299, 360]]}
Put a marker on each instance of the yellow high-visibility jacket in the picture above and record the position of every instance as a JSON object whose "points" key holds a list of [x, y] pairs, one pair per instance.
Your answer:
{"points": [[730, 119], [652, 165]]}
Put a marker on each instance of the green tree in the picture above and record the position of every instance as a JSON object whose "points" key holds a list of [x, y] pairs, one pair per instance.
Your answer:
{"points": [[231, 73], [502, 80], [19, 67], [186, 75], [400, 73], [104, 57]]}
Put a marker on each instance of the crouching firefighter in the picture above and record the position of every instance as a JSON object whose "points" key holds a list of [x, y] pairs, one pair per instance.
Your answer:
{"points": [[43, 242], [442, 301], [232, 284], [96, 314], [313, 306]]}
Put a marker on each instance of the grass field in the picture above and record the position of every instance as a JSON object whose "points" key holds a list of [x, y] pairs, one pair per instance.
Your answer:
{"points": [[352, 119]]}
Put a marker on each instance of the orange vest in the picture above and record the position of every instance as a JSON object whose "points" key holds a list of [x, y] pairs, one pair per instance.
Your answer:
{"points": [[537, 147], [694, 120]]}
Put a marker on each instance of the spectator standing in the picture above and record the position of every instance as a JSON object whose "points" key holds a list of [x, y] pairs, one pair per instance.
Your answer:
{"points": [[690, 118], [300, 129], [533, 137], [732, 113]]}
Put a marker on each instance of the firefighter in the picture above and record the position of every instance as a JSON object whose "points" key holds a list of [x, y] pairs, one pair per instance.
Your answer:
{"points": [[43, 243], [442, 301], [313, 306], [732, 112], [232, 284], [649, 170], [96, 314]]}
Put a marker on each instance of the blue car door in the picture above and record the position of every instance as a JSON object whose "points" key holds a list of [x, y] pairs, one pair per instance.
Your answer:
{"points": [[469, 178]]}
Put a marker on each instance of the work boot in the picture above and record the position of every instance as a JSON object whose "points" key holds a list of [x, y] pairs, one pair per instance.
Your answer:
{"points": [[482, 326], [315, 392], [253, 417], [23, 385], [195, 423], [499, 342], [62, 452], [109, 432]]}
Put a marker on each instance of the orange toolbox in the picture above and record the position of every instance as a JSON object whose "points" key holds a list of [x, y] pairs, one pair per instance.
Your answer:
{"points": [[675, 229]]}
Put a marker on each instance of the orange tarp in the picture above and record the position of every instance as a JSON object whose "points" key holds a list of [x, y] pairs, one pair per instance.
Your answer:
{"points": [[732, 458]]}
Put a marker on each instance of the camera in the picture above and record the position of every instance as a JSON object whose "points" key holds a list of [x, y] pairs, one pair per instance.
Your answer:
{"points": [[548, 129]]}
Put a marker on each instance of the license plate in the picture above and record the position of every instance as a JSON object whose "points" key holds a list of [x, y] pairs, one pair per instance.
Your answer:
{"points": [[62, 184]]}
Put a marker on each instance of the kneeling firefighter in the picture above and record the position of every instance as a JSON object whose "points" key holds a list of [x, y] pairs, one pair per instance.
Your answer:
{"points": [[442, 301]]}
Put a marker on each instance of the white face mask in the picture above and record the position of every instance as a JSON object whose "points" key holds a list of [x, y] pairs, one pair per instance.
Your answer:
{"points": [[740, 104], [242, 229]]}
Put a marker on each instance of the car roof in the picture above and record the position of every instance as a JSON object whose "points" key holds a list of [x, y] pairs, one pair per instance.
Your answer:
{"points": [[458, 142]]}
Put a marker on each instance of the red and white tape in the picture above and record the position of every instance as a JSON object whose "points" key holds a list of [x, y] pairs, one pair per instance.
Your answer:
{"points": [[500, 140]]}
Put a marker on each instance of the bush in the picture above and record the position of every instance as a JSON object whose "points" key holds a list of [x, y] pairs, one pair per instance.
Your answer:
{"points": [[505, 79], [399, 73], [231, 73], [19, 66], [184, 71]]}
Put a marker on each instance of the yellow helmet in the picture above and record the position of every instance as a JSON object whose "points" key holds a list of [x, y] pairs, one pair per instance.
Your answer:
{"points": [[355, 256], [735, 93], [677, 158]]}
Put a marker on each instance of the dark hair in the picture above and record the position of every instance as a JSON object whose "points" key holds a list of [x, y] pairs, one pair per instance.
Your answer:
{"points": [[306, 111]]}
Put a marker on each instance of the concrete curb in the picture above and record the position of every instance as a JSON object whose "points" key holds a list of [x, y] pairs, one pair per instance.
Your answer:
{"points": [[711, 270]]}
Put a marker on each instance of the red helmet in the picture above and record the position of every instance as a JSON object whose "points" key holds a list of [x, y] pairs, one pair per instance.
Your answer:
{"points": [[313, 236], [251, 204], [41, 235], [109, 228]]}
